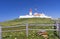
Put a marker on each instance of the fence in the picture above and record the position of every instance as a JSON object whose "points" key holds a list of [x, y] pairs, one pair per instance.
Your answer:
{"points": [[56, 28]]}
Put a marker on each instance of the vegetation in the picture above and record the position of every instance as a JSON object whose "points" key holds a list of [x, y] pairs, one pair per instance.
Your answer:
{"points": [[22, 33], [28, 20]]}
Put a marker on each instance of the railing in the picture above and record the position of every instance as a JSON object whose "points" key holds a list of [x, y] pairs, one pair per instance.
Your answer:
{"points": [[27, 25]]}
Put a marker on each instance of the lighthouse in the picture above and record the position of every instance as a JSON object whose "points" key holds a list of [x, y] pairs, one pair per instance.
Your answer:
{"points": [[30, 13], [35, 15]]}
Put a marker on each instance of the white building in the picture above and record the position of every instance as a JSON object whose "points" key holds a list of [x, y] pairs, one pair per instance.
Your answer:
{"points": [[35, 15]]}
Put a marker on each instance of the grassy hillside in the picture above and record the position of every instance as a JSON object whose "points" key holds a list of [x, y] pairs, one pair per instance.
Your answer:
{"points": [[21, 34], [26, 20]]}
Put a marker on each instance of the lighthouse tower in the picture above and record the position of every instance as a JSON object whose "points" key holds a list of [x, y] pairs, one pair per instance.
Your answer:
{"points": [[30, 13]]}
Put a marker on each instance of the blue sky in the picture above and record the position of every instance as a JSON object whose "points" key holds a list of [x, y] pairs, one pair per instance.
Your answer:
{"points": [[11, 9]]}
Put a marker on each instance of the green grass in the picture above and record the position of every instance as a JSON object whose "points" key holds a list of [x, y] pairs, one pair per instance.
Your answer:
{"points": [[28, 20], [22, 34]]}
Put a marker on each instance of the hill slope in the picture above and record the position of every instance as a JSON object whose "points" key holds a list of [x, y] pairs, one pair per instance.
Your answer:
{"points": [[26, 20]]}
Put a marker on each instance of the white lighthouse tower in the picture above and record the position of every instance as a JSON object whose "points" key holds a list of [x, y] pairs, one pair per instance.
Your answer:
{"points": [[30, 13]]}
